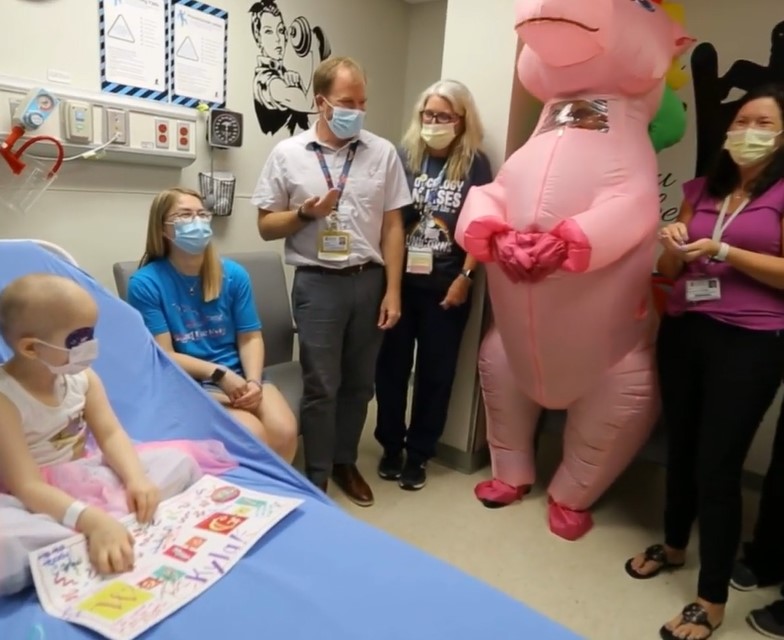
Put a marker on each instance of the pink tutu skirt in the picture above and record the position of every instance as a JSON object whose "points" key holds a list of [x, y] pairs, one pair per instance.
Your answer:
{"points": [[172, 465]]}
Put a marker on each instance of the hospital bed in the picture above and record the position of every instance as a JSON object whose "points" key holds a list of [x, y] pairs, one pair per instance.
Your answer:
{"points": [[320, 573]]}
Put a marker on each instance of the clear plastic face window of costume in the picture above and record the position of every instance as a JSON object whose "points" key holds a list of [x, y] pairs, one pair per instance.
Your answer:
{"points": [[648, 5], [184, 215], [438, 117]]}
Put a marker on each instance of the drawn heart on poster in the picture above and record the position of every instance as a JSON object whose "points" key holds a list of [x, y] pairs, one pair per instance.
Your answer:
{"points": [[288, 55]]}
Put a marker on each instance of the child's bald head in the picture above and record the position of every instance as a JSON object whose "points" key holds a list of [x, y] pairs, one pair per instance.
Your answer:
{"points": [[45, 307]]}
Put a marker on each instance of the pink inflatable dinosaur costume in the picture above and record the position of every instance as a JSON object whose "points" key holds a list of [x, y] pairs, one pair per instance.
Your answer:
{"points": [[568, 232]]}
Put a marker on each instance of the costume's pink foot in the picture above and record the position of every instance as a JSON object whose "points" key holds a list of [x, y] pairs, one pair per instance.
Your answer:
{"points": [[566, 523], [495, 494]]}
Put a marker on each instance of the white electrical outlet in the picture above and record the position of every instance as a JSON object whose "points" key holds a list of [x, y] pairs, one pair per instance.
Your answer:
{"points": [[116, 126]]}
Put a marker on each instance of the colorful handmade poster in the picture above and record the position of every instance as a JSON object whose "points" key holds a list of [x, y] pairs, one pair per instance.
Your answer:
{"points": [[196, 538]]}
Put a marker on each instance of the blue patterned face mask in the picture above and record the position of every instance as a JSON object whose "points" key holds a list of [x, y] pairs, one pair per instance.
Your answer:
{"points": [[346, 123], [192, 236]]}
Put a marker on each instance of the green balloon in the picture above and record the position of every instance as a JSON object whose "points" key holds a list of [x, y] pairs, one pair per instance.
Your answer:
{"points": [[669, 125]]}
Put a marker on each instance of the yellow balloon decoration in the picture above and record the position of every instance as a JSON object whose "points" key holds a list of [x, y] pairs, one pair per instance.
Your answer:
{"points": [[676, 76]]}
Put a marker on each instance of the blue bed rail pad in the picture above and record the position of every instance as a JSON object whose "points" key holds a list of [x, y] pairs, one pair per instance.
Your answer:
{"points": [[320, 574]]}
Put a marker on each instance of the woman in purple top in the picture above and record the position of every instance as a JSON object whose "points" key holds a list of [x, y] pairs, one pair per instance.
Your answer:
{"points": [[720, 350]]}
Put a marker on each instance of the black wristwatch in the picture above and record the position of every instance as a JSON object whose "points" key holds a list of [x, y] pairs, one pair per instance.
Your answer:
{"points": [[217, 375], [468, 273], [304, 216]]}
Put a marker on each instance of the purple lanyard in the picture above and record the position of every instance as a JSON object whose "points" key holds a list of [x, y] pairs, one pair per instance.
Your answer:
{"points": [[352, 151]]}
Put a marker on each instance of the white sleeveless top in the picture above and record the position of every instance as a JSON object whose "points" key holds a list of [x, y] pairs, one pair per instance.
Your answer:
{"points": [[53, 434]]}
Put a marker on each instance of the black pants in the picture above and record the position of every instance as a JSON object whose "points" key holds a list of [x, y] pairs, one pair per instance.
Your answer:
{"points": [[717, 381], [765, 554], [437, 334]]}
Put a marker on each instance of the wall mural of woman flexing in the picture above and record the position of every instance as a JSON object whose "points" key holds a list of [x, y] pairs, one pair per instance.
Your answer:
{"points": [[287, 57]]}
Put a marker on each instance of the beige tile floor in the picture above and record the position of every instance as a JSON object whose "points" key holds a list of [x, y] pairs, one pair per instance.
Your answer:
{"points": [[581, 585]]}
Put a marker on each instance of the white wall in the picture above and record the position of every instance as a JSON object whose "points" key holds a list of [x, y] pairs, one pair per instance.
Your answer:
{"points": [[426, 27], [98, 212], [488, 71]]}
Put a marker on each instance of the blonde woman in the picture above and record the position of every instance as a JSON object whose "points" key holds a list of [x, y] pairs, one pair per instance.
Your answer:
{"points": [[442, 158], [200, 309]]}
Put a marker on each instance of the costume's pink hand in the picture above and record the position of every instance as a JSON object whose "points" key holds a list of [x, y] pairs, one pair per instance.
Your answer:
{"points": [[478, 237], [528, 256], [578, 247]]}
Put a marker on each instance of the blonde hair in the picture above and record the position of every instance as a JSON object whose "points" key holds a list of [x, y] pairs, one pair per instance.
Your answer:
{"points": [[326, 72], [157, 247], [465, 146]]}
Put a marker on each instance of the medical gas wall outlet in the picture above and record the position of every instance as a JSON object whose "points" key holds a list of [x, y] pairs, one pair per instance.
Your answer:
{"points": [[116, 126], [77, 117], [34, 109]]}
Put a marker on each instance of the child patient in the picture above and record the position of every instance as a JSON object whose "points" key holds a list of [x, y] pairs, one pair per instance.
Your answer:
{"points": [[50, 402]]}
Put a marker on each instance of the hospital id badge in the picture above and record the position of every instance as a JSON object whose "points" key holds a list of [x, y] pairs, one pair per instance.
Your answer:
{"points": [[419, 261], [334, 246], [703, 290]]}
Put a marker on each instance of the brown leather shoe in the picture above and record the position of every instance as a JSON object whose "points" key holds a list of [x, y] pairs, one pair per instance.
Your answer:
{"points": [[351, 482]]}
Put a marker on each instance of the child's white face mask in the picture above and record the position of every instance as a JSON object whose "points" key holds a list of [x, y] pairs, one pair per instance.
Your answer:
{"points": [[82, 350]]}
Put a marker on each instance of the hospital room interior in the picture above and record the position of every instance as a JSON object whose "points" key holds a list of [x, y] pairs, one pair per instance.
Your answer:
{"points": [[461, 554]]}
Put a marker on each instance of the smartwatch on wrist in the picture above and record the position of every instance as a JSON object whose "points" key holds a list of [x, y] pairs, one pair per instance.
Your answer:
{"points": [[467, 273], [217, 375], [721, 254]]}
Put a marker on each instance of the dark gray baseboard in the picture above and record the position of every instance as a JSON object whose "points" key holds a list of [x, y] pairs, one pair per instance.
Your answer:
{"points": [[462, 461]]}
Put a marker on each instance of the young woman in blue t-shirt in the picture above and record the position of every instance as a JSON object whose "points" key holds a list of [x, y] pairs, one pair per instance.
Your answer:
{"points": [[200, 309], [442, 158]]}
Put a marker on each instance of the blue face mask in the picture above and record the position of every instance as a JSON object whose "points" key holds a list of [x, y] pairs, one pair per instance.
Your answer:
{"points": [[192, 236], [346, 123]]}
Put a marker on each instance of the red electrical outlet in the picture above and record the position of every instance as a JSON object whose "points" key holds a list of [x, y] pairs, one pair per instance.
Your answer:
{"points": [[162, 134], [183, 136]]}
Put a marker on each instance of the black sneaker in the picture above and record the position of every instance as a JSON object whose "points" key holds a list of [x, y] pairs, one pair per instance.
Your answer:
{"points": [[743, 578], [768, 621], [390, 466], [413, 477]]}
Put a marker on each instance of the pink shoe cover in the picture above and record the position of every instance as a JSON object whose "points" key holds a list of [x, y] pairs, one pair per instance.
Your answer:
{"points": [[566, 523], [494, 493]]}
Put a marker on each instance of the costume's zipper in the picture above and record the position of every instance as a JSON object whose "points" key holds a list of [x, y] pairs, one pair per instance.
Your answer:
{"points": [[532, 288]]}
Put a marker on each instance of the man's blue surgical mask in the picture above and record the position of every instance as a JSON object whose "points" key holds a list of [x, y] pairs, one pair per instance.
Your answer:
{"points": [[346, 123], [192, 236]]}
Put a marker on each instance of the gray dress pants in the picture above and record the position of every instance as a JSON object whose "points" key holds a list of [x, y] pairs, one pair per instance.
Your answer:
{"points": [[339, 340]]}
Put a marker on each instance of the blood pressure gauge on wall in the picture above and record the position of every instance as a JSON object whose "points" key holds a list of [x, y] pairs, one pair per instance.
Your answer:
{"points": [[224, 129]]}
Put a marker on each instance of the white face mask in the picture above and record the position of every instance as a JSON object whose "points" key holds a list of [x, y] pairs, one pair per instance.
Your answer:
{"points": [[438, 136], [80, 357], [748, 146]]}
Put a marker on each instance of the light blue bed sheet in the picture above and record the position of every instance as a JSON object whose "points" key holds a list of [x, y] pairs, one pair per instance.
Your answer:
{"points": [[320, 574]]}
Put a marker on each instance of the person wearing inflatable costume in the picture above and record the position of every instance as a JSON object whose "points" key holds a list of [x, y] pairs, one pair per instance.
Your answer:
{"points": [[568, 234]]}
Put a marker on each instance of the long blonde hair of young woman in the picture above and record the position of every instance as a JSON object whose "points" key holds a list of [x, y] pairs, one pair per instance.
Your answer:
{"points": [[158, 248], [465, 146]]}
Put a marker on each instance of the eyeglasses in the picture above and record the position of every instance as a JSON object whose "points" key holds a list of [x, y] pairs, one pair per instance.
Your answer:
{"points": [[429, 117], [189, 216]]}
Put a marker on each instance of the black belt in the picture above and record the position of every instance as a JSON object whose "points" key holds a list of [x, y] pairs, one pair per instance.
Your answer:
{"points": [[344, 271]]}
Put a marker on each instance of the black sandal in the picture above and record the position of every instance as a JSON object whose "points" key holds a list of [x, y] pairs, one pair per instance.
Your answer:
{"points": [[695, 614], [655, 553]]}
